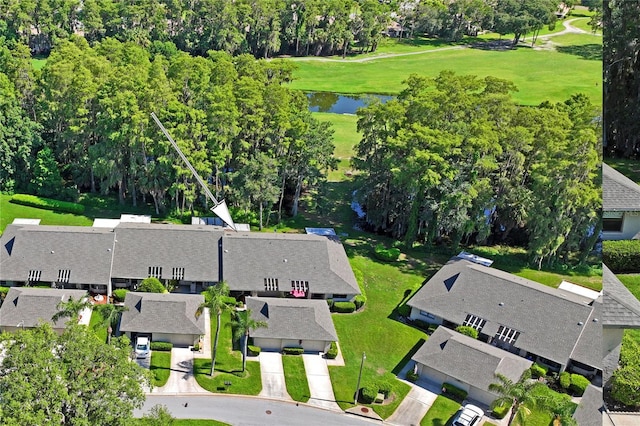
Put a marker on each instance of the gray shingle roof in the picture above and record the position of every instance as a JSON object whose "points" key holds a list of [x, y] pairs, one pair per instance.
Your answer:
{"points": [[249, 258], [590, 409], [548, 319], [192, 247], [33, 305], [84, 251], [621, 308], [588, 349], [303, 319], [162, 313], [619, 193], [469, 360]]}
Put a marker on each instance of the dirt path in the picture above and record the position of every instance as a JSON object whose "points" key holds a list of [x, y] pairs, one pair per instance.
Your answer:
{"points": [[568, 29]]}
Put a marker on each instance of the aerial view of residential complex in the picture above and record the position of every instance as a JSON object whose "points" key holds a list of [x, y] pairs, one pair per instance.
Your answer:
{"points": [[345, 212]]}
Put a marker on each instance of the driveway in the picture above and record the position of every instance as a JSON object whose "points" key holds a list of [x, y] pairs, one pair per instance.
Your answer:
{"points": [[319, 382], [272, 373], [181, 379], [414, 406]]}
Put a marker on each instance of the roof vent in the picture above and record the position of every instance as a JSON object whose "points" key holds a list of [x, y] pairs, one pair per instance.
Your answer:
{"points": [[284, 260], [501, 304], [52, 252], [580, 323], [595, 320]]}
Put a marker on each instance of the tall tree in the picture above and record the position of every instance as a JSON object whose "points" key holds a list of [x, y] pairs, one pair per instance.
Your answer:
{"points": [[242, 326], [215, 301], [516, 394], [71, 309], [110, 315]]}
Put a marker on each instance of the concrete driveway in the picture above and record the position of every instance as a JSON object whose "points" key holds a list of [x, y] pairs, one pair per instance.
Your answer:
{"points": [[415, 405], [272, 373], [181, 379], [319, 382]]}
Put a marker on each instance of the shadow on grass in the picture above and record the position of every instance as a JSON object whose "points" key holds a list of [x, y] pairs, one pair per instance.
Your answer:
{"points": [[396, 370], [590, 52]]}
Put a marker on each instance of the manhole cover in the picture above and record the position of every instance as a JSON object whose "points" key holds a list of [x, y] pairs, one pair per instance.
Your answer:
{"points": [[268, 411], [364, 409]]}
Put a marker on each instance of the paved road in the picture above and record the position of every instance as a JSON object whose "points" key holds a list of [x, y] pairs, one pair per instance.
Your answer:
{"points": [[181, 378], [319, 382], [272, 372], [247, 411]]}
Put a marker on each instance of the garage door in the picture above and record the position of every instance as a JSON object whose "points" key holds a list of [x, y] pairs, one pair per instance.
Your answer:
{"points": [[180, 340], [268, 344]]}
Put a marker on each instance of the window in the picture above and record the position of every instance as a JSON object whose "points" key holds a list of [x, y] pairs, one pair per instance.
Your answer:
{"points": [[34, 276], [427, 314], [271, 284], [177, 273], [612, 224], [155, 271], [298, 285], [63, 275], [339, 296], [474, 321], [507, 335]]}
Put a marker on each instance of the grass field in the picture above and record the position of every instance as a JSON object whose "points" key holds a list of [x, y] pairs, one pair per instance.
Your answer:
{"points": [[228, 366], [160, 367], [9, 211], [101, 332], [442, 410], [628, 167], [550, 75], [296, 378]]}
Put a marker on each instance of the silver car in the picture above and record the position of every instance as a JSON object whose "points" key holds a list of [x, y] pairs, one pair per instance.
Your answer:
{"points": [[470, 415], [143, 347]]}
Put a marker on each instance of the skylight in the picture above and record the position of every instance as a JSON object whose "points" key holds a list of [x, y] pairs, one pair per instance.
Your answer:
{"points": [[474, 321]]}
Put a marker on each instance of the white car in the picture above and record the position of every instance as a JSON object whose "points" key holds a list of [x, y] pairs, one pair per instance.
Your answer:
{"points": [[143, 347], [470, 415]]}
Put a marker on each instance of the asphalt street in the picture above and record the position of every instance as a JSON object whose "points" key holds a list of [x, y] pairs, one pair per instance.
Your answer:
{"points": [[249, 411]]}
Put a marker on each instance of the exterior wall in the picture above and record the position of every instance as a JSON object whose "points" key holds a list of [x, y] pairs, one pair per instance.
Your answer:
{"points": [[477, 394], [630, 227], [480, 395], [176, 339], [268, 344], [417, 315], [611, 344], [278, 344]]}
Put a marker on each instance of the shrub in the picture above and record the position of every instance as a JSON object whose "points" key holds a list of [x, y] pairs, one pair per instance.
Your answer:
{"points": [[624, 385], [467, 331], [411, 376], [538, 370], [253, 350], [622, 256], [293, 351], [578, 384], [151, 285], [120, 294], [3, 293], [385, 254], [368, 394], [196, 347], [344, 307], [161, 346], [330, 304], [404, 310], [47, 203], [359, 301], [565, 380], [332, 353], [385, 387], [454, 392], [426, 326], [229, 300], [500, 411]]}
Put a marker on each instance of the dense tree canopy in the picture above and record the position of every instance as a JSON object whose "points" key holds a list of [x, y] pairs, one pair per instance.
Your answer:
{"points": [[455, 157], [68, 379]]}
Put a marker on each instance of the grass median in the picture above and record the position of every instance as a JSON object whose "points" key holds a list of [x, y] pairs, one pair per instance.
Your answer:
{"points": [[442, 410], [296, 378], [160, 368]]}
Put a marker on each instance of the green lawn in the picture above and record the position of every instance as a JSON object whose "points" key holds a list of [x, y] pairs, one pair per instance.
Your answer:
{"points": [[442, 410], [538, 416], [296, 378], [550, 75], [96, 318], [345, 139], [38, 63], [628, 167], [10, 211], [632, 282], [160, 367], [228, 366]]}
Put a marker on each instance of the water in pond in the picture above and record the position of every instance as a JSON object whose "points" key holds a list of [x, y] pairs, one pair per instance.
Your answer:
{"points": [[341, 104]]}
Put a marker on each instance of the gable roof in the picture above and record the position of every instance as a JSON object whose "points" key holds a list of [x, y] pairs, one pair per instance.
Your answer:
{"points": [[589, 411], [169, 313], [29, 305], [460, 288], [250, 258], [588, 348], [469, 360], [621, 308], [297, 319], [619, 193], [192, 247], [82, 251]]}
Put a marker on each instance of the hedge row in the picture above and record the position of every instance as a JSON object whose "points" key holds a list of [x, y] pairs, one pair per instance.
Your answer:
{"points": [[538, 370], [293, 351], [161, 346], [621, 256], [253, 350], [47, 203], [578, 384], [332, 353], [385, 254], [500, 411], [454, 392], [344, 307], [120, 294]]}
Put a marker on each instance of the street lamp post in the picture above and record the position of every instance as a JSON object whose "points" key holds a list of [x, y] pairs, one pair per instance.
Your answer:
{"points": [[355, 400]]}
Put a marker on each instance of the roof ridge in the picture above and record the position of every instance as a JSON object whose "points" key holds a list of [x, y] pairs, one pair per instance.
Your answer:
{"points": [[620, 178]]}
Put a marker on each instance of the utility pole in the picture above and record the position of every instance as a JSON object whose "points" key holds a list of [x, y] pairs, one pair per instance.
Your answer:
{"points": [[355, 400]]}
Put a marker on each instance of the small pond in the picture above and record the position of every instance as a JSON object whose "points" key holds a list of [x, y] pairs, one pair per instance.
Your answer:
{"points": [[341, 104]]}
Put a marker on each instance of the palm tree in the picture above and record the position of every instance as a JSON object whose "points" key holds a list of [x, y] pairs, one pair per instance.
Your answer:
{"points": [[562, 409], [71, 308], [517, 394], [214, 300], [110, 314], [242, 324]]}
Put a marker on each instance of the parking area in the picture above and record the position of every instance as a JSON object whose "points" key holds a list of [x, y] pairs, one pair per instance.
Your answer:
{"points": [[272, 373]]}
